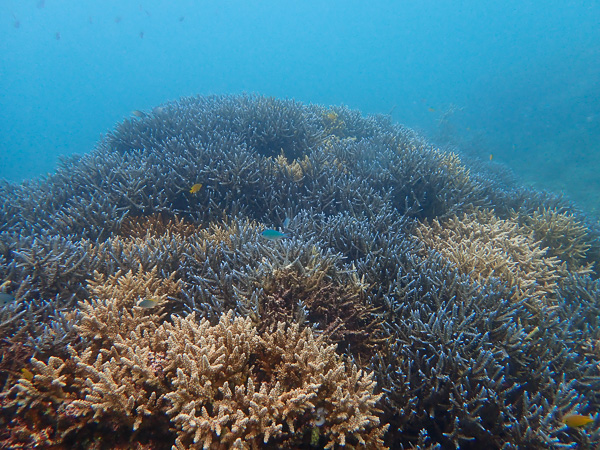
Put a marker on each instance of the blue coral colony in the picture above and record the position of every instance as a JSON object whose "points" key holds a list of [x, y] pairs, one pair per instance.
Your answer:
{"points": [[425, 301]]}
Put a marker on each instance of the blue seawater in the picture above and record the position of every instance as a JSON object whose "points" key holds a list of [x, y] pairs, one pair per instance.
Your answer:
{"points": [[519, 80]]}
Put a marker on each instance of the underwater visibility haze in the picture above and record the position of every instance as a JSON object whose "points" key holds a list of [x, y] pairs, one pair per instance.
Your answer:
{"points": [[299, 225]]}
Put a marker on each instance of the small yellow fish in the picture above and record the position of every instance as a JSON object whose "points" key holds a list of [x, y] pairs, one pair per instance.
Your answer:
{"points": [[431, 109], [195, 188], [26, 373], [147, 303], [491, 156], [332, 116], [576, 420]]}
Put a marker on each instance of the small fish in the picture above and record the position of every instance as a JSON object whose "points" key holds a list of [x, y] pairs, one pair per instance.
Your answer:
{"points": [[147, 303], [491, 156], [117, 19], [332, 116], [27, 374], [181, 18], [57, 35], [576, 420], [141, 35], [430, 109], [5, 299], [138, 113], [286, 222], [195, 188], [273, 235]]}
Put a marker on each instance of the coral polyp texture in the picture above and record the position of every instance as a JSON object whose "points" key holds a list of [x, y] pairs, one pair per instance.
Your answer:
{"points": [[248, 272]]}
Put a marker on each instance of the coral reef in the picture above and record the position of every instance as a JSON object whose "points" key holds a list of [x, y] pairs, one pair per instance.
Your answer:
{"points": [[223, 386], [563, 235], [413, 299], [483, 246]]}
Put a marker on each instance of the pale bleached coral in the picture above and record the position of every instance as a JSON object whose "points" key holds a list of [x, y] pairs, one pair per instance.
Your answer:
{"points": [[112, 310], [565, 237], [126, 380], [156, 225], [222, 386], [484, 246], [240, 388]]}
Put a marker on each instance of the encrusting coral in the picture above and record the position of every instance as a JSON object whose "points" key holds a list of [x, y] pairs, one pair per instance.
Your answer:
{"points": [[249, 272]]}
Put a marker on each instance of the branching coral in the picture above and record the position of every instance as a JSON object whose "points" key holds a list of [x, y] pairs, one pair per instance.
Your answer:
{"points": [[113, 310], [340, 310], [480, 327], [484, 246], [565, 237], [155, 226], [239, 389], [461, 369], [222, 386]]}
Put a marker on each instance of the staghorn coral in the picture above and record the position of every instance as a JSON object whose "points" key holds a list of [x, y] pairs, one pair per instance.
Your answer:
{"points": [[239, 389], [565, 237], [156, 226], [113, 310], [484, 246], [461, 370], [488, 343], [295, 169], [132, 286], [222, 386], [309, 295]]}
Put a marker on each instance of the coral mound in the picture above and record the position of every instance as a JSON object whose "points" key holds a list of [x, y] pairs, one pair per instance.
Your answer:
{"points": [[403, 295]]}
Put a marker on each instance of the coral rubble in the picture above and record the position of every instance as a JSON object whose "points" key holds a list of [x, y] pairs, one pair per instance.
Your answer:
{"points": [[415, 298]]}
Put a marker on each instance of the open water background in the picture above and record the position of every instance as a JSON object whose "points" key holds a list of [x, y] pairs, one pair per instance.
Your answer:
{"points": [[519, 80]]}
